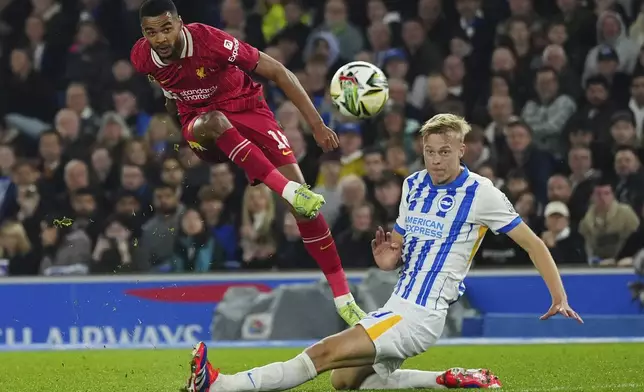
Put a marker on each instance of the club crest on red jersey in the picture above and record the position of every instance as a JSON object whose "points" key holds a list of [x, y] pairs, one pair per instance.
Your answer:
{"points": [[201, 72]]}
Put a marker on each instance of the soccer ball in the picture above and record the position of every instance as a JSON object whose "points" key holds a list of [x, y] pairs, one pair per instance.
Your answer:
{"points": [[359, 89]]}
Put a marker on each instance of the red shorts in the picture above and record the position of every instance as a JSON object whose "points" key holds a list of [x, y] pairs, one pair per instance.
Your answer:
{"points": [[258, 125]]}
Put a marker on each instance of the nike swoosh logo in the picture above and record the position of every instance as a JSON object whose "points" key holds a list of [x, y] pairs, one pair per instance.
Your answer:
{"points": [[287, 152], [245, 156], [327, 246], [250, 377]]}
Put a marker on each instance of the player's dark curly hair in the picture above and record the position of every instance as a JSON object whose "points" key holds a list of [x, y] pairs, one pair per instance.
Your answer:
{"points": [[151, 8]]}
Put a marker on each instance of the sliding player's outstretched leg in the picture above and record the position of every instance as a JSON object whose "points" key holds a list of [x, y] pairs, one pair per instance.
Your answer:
{"points": [[365, 378], [349, 348], [319, 243], [214, 127]]}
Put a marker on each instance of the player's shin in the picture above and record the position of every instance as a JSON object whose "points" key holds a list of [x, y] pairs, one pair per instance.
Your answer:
{"points": [[319, 243], [277, 376], [250, 158], [403, 379]]}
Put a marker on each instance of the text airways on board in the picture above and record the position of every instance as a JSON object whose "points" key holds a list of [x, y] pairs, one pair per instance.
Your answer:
{"points": [[140, 334]]}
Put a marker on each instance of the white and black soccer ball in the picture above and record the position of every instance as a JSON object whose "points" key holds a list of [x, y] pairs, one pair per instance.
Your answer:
{"points": [[359, 89]]}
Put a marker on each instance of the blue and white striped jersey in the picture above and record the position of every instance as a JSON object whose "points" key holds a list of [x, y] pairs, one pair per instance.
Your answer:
{"points": [[442, 227]]}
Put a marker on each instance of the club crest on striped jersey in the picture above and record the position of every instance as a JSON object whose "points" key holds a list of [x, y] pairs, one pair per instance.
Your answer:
{"points": [[446, 203]]}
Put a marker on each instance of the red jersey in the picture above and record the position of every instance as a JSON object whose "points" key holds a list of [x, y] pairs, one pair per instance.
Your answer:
{"points": [[208, 76]]}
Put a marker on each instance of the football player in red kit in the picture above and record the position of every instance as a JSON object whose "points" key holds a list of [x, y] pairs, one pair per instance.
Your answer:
{"points": [[201, 70]]}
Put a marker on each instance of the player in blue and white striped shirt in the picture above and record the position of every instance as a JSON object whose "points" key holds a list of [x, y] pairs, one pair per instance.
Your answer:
{"points": [[444, 214]]}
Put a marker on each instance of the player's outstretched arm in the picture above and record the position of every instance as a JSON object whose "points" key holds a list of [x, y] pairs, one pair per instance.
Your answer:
{"points": [[273, 70], [387, 249], [542, 259]]}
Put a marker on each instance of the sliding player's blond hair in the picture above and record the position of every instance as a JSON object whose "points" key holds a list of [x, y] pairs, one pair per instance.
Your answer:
{"points": [[445, 123]]}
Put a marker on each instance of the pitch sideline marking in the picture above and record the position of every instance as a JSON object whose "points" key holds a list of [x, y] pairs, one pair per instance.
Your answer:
{"points": [[307, 343]]}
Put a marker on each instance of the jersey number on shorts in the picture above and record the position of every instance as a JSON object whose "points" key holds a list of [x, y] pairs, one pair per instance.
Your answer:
{"points": [[281, 139]]}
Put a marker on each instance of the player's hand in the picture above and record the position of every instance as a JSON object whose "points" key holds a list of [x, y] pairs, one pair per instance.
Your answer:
{"points": [[325, 138], [386, 253], [561, 307]]}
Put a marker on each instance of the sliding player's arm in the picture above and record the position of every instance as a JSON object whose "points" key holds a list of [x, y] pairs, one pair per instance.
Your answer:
{"points": [[387, 249], [494, 210], [273, 70]]}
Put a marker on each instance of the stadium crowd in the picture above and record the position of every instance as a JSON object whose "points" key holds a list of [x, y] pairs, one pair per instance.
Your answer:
{"points": [[94, 176]]}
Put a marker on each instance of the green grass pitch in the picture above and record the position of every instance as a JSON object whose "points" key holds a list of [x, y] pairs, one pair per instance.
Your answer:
{"points": [[556, 367]]}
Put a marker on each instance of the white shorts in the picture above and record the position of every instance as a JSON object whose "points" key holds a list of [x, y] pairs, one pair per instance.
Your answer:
{"points": [[400, 330]]}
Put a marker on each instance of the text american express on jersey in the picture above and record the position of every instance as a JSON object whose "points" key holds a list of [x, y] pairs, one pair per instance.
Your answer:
{"points": [[428, 227]]}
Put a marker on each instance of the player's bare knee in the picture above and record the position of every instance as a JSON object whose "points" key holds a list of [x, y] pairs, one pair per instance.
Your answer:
{"points": [[322, 355], [212, 125]]}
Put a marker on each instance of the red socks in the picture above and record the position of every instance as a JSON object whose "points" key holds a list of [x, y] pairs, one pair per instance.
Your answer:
{"points": [[321, 246], [315, 233], [250, 158]]}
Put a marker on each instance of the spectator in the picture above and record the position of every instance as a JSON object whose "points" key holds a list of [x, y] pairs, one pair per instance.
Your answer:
{"points": [[127, 106], [16, 250], [32, 102], [599, 109], [336, 20], [380, 39], [352, 160], [555, 57], [44, 56], [76, 144], [195, 250], [476, 152], [522, 154], [608, 67], [66, 250], [607, 225], [161, 132], [114, 247], [611, 31], [548, 114], [354, 192], [630, 178], [388, 192], [566, 245], [224, 233], [78, 101], [374, 164], [88, 61], [159, 233], [527, 208], [86, 213], [222, 183], [636, 103], [354, 244], [257, 234], [501, 110], [113, 134], [582, 179], [7, 186], [104, 169]]}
